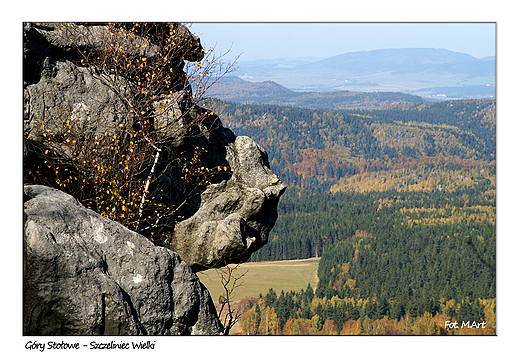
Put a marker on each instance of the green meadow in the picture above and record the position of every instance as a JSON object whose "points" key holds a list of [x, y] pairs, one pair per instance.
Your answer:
{"points": [[259, 277]]}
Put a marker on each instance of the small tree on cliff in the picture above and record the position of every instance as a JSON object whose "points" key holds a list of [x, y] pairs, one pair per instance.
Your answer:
{"points": [[112, 170]]}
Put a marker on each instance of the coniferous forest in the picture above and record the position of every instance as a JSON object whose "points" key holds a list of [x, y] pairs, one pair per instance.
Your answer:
{"points": [[398, 202]]}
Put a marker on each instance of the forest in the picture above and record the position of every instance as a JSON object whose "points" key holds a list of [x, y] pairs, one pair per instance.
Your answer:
{"points": [[399, 203], [314, 148], [307, 313]]}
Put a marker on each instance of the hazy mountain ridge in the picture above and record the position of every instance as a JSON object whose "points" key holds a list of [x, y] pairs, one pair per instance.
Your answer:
{"points": [[412, 70], [385, 59]]}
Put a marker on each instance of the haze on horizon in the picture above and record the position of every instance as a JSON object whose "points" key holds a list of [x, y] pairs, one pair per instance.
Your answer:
{"points": [[256, 41]]}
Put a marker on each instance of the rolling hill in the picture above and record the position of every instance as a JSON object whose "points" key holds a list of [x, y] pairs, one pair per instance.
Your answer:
{"points": [[399, 203], [236, 90]]}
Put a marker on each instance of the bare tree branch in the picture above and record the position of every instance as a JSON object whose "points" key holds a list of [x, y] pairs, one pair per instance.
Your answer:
{"points": [[229, 282]]}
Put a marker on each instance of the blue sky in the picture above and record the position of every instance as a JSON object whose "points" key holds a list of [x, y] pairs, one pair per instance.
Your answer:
{"points": [[274, 40]]}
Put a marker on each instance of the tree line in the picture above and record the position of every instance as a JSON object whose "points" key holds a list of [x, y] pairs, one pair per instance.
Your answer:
{"points": [[309, 313]]}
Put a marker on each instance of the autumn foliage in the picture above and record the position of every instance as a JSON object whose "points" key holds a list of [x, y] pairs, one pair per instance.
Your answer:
{"points": [[336, 316], [122, 166]]}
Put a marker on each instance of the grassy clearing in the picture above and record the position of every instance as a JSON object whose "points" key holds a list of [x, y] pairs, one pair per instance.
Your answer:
{"points": [[289, 275]]}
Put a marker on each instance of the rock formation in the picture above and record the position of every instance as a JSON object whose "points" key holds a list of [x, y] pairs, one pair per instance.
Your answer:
{"points": [[223, 221], [87, 275], [235, 215]]}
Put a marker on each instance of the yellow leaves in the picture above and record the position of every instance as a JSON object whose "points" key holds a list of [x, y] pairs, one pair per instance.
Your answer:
{"points": [[108, 164]]}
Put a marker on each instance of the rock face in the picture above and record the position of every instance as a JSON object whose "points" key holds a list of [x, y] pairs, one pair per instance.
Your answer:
{"points": [[223, 221], [87, 275], [235, 215]]}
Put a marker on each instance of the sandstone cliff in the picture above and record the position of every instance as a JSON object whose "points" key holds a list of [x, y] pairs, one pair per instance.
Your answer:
{"points": [[223, 220]]}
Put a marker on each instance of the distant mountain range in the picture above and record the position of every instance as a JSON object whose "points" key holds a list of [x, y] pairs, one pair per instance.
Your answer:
{"points": [[234, 89], [427, 72]]}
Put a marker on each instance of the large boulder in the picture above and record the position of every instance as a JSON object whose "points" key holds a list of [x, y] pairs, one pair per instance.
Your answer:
{"points": [[54, 41], [87, 275]]}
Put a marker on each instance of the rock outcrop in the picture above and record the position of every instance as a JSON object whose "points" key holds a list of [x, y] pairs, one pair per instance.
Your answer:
{"points": [[87, 275], [223, 222], [235, 215]]}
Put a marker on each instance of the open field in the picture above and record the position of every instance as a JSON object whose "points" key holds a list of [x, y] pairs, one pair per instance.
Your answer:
{"points": [[289, 275]]}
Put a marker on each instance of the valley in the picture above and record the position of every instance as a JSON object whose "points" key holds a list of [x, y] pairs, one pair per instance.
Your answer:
{"points": [[399, 204], [392, 185]]}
